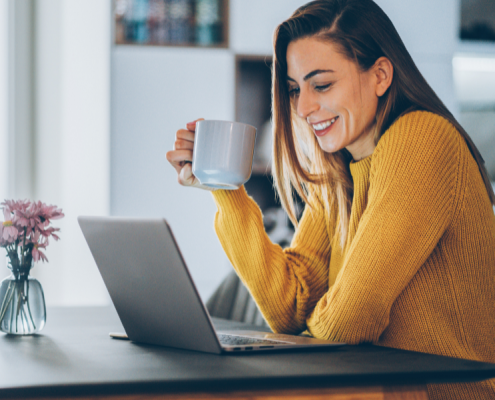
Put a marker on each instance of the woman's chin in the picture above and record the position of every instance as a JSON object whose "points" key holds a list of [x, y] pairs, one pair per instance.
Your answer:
{"points": [[329, 147]]}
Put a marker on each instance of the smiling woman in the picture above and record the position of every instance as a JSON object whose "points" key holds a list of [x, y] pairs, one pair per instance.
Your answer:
{"points": [[396, 245], [341, 99]]}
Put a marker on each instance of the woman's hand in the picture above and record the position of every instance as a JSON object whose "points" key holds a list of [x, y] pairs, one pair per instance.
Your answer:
{"points": [[181, 156]]}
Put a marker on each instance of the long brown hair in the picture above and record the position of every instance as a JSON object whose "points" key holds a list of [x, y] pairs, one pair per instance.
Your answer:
{"points": [[363, 33]]}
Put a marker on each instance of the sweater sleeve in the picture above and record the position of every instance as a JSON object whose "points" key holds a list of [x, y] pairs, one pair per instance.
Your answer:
{"points": [[413, 185], [286, 284]]}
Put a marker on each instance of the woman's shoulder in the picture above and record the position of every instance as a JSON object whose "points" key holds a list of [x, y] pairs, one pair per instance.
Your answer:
{"points": [[419, 132]]}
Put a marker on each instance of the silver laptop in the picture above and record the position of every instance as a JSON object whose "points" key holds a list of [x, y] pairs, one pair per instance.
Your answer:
{"points": [[155, 296]]}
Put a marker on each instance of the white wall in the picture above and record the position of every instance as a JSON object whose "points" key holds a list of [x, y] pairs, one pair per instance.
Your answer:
{"points": [[155, 92], [20, 99], [72, 138], [475, 78], [4, 90], [252, 23], [428, 29]]}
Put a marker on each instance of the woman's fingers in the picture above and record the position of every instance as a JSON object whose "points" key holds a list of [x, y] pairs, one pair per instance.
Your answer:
{"points": [[181, 144], [178, 158], [192, 125], [181, 156], [184, 134], [186, 176]]}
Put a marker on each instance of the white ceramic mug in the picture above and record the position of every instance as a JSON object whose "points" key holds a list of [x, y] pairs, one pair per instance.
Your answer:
{"points": [[223, 153]]}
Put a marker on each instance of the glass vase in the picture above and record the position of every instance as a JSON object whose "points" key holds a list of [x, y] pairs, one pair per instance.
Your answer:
{"points": [[22, 310]]}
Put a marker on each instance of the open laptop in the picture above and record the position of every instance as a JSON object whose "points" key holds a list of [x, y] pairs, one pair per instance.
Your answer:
{"points": [[155, 296]]}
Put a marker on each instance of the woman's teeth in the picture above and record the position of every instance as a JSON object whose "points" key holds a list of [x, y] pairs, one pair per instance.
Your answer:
{"points": [[324, 125]]}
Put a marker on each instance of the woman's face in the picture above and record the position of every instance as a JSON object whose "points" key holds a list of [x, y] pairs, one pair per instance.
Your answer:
{"points": [[334, 96]]}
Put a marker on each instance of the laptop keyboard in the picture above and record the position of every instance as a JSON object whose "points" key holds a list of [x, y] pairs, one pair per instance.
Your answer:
{"points": [[233, 340]]}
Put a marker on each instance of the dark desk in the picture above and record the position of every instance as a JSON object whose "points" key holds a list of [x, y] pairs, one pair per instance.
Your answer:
{"points": [[75, 357]]}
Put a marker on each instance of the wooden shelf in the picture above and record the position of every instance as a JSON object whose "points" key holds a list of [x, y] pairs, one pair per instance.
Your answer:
{"points": [[174, 23]]}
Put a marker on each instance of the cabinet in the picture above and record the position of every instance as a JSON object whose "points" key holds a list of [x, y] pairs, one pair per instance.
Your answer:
{"points": [[253, 106], [474, 76]]}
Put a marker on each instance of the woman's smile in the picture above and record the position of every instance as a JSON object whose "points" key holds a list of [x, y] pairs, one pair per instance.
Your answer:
{"points": [[322, 128]]}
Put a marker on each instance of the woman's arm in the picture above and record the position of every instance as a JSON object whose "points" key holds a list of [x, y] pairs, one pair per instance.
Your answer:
{"points": [[413, 192], [286, 284]]}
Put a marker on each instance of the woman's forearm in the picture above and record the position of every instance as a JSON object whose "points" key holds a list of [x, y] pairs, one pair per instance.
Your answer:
{"points": [[286, 284]]}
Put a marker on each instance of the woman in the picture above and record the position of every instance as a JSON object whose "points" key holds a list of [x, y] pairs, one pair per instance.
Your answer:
{"points": [[396, 245]]}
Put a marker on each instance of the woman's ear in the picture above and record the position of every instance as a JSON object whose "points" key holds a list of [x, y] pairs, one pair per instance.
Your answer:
{"points": [[384, 73]]}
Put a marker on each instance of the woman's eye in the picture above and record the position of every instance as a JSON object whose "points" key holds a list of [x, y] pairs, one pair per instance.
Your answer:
{"points": [[293, 91], [323, 87]]}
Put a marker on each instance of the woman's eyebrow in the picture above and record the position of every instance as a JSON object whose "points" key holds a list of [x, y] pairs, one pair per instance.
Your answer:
{"points": [[312, 73]]}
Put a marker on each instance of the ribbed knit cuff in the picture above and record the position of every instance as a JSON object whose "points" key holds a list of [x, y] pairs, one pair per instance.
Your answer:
{"points": [[230, 200]]}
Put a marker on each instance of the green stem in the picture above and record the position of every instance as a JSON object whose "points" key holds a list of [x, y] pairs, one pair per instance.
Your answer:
{"points": [[28, 307], [12, 308], [17, 250], [31, 317], [27, 329], [18, 310], [22, 306], [23, 246], [23, 324], [5, 297], [5, 305]]}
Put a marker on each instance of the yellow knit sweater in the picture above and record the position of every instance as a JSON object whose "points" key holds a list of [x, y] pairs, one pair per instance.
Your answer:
{"points": [[418, 270]]}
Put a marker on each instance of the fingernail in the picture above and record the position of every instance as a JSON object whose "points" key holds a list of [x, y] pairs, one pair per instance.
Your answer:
{"points": [[191, 123]]}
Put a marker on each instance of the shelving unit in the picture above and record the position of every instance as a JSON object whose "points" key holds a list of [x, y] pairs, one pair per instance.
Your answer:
{"points": [[477, 20], [185, 23], [474, 76], [253, 89], [253, 106]]}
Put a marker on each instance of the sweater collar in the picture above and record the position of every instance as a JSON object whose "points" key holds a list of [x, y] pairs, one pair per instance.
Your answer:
{"points": [[360, 169]]}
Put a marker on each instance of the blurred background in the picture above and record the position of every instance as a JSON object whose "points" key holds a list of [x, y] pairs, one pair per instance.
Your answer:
{"points": [[93, 91]]}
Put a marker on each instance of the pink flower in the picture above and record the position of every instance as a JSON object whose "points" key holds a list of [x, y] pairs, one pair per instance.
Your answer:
{"points": [[28, 223], [49, 212], [11, 205], [27, 217], [37, 254], [5, 242], [9, 232], [50, 232]]}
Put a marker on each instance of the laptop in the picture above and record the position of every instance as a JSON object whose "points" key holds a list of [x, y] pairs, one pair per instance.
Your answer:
{"points": [[155, 296]]}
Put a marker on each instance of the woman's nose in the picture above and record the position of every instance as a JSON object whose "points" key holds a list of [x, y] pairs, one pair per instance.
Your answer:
{"points": [[306, 104]]}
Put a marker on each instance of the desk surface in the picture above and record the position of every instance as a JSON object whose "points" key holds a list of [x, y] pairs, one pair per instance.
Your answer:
{"points": [[75, 354]]}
